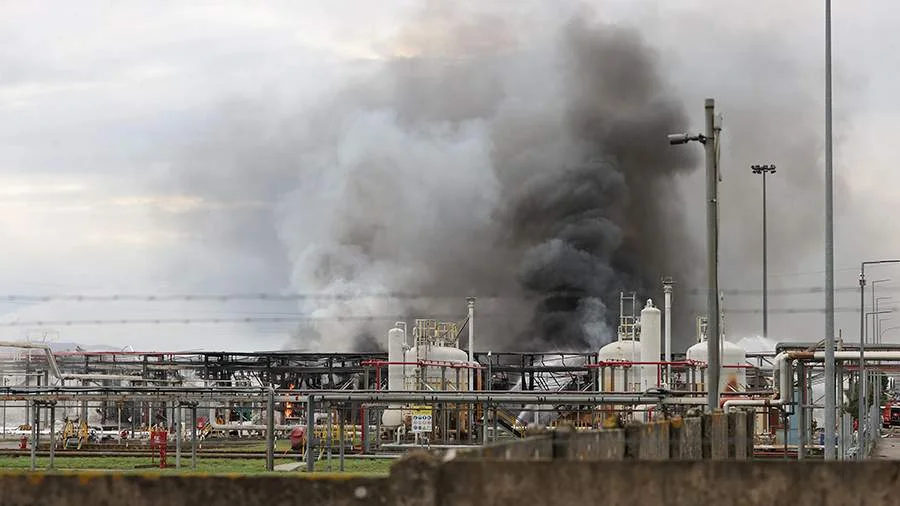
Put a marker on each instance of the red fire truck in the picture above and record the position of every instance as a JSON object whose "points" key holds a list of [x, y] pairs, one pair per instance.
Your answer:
{"points": [[890, 415]]}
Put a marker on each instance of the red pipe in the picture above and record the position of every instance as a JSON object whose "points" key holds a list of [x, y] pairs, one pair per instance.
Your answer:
{"points": [[424, 363], [627, 363], [148, 353]]}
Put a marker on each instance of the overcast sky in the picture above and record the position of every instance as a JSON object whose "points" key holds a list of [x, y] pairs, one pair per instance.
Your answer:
{"points": [[106, 107]]}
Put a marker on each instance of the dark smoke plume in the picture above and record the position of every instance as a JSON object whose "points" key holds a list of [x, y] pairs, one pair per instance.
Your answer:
{"points": [[517, 160]]}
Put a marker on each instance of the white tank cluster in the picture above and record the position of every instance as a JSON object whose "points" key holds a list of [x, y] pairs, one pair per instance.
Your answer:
{"points": [[433, 362], [637, 342]]}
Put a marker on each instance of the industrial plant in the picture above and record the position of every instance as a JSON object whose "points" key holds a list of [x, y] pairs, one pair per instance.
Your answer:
{"points": [[435, 388]]}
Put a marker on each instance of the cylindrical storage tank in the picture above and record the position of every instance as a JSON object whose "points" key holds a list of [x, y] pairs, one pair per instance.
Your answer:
{"points": [[618, 378], [392, 416], [733, 375], [651, 333], [437, 376]]}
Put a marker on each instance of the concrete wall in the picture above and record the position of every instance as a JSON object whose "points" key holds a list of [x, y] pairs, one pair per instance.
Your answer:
{"points": [[426, 480], [131, 490], [731, 483]]}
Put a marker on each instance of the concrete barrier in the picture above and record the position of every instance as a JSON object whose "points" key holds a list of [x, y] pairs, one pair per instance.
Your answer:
{"points": [[686, 438], [84, 489], [597, 445], [424, 480], [733, 483], [737, 437], [533, 448], [717, 436], [647, 441]]}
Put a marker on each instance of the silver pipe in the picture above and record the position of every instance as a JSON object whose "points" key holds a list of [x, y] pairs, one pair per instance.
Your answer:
{"points": [[471, 307], [54, 367], [667, 290], [498, 397]]}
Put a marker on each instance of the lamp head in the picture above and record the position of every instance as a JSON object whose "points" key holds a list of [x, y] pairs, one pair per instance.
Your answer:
{"points": [[675, 139]]}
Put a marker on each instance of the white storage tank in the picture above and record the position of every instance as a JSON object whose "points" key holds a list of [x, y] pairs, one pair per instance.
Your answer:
{"points": [[613, 378], [651, 334], [393, 416], [434, 376], [733, 375]]}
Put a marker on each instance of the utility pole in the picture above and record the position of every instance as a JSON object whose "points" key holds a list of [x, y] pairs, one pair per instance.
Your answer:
{"points": [[830, 386], [712, 254], [764, 170], [861, 395], [710, 142]]}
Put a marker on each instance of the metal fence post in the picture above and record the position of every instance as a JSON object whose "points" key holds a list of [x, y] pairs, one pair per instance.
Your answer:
{"points": [[270, 430], [310, 433]]}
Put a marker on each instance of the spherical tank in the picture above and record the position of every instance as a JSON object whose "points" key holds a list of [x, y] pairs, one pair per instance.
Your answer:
{"points": [[614, 378], [396, 341], [733, 374], [437, 376]]}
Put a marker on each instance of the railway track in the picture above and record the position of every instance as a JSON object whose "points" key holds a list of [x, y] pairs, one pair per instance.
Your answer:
{"points": [[185, 453], [6, 452]]}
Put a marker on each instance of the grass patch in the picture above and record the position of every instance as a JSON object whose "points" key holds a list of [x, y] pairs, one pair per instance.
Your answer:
{"points": [[211, 466]]}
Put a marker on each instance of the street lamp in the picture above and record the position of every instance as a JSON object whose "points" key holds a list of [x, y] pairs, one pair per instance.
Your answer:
{"points": [[876, 394], [885, 331], [710, 143], [876, 325], [764, 170], [862, 344]]}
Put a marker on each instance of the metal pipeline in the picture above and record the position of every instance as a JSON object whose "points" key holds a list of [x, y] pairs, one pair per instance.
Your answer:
{"points": [[781, 363], [785, 358], [237, 426], [54, 367]]}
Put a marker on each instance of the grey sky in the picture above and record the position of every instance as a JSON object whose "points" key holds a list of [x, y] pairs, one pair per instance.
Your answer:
{"points": [[106, 113]]}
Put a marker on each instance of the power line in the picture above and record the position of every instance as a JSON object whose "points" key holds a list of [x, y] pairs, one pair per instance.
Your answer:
{"points": [[194, 321], [357, 319], [275, 297], [804, 310], [287, 297]]}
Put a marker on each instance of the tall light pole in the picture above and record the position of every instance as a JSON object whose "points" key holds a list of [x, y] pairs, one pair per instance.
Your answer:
{"points": [[710, 143], [830, 387], [864, 399], [876, 376], [764, 170], [861, 396]]}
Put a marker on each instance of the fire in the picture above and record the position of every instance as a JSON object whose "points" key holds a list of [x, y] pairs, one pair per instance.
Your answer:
{"points": [[289, 406]]}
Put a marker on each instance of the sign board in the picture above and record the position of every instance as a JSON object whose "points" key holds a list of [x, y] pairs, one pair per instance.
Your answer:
{"points": [[421, 419]]}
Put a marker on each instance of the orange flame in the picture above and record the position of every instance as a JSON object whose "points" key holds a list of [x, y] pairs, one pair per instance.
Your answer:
{"points": [[289, 406]]}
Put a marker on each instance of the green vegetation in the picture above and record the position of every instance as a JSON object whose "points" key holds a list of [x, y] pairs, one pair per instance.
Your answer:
{"points": [[211, 466], [281, 446]]}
